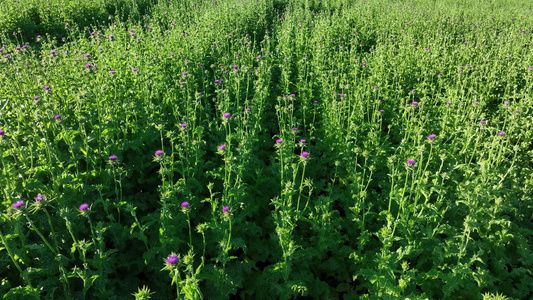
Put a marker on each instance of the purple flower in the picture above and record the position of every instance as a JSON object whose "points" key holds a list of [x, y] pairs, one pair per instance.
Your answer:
{"points": [[302, 141], [185, 204], [248, 109], [35, 97], [225, 209], [87, 55], [414, 103], [305, 154], [38, 36], [184, 125], [46, 87], [501, 133], [342, 95], [112, 72], [235, 67], [84, 207], [222, 147], [294, 129], [217, 81], [448, 103], [17, 204], [431, 136], [475, 102], [411, 162], [483, 122], [88, 66], [184, 73], [315, 101], [53, 52], [39, 197], [381, 111], [291, 95], [172, 259], [375, 87], [159, 153], [226, 115], [279, 141], [182, 83], [506, 103], [113, 157], [57, 117], [111, 36], [135, 70], [440, 74], [517, 111], [2, 132]]}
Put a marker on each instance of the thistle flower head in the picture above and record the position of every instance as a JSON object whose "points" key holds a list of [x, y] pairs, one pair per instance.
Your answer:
{"points": [[113, 157], [172, 259], [305, 154], [84, 207], [225, 209], [39, 197], [411, 161], [159, 153], [17, 204]]}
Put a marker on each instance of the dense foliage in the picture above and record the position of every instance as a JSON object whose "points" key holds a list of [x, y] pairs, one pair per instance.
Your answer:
{"points": [[263, 149]]}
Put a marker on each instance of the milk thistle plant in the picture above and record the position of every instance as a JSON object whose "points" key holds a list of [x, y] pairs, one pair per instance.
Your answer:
{"points": [[266, 149]]}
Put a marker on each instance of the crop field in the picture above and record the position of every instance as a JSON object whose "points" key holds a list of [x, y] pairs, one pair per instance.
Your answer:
{"points": [[266, 149]]}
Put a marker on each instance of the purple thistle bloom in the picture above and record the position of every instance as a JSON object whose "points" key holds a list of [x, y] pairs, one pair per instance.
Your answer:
{"points": [[294, 129], [35, 97], [182, 83], [375, 87], [113, 157], [315, 101], [184, 73], [199, 94], [17, 204], [53, 52], [112, 72], [248, 109], [302, 141], [159, 153], [57, 117], [431, 136], [414, 103], [38, 36], [226, 115], [517, 111], [483, 122], [279, 141], [291, 95], [39, 198], [184, 125], [506, 103], [411, 162], [84, 207], [222, 147], [475, 102], [2, 132], [88, 66], [135, 70], [381, 111], [235, 67], [185, 204], [172, 259], [111, 36], [225, 209], [440, 74], [448, 103], [305, 154], [501, 133], [46, 87], [87, 55], [217, 81]]}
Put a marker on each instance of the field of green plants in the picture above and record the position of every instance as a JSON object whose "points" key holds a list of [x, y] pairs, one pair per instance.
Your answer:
{"points": [[266, 149]]}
